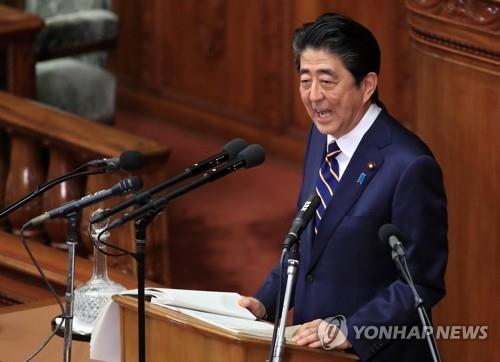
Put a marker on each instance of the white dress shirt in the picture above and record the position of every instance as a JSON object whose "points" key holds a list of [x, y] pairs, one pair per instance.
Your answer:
{"points": [[350, 141]]}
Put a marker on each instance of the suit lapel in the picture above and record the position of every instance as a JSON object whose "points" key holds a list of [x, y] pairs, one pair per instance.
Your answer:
{"points": [[352, 184]]}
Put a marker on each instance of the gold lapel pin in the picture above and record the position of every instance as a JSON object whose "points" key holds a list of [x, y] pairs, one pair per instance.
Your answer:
{"points": [[371, 165]]}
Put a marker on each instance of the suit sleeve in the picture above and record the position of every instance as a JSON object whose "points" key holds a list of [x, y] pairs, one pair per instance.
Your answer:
{"points": [[419, 211], [268, 293]]}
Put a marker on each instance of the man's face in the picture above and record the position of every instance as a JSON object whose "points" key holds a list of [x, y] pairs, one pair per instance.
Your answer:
{"points": [[329, 92]]}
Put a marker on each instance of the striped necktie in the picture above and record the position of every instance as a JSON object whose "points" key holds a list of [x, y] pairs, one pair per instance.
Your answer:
{"points": [[328, 181]]}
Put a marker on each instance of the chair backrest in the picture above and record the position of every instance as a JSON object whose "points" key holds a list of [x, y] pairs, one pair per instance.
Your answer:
{"points": [[48, 8]]}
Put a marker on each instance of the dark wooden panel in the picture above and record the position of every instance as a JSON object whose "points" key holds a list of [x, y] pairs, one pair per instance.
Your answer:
{"points": [[217, 57], [457, 85]]}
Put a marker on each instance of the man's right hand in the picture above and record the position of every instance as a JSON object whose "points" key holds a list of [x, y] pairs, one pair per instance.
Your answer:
{"points": [[254, 306]]}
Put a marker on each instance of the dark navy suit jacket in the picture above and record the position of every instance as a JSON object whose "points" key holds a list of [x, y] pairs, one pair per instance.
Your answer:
{"points": [[345, 269]]}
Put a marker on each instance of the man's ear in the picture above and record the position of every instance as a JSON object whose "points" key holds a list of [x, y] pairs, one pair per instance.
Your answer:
{"points": [[368, 85]]}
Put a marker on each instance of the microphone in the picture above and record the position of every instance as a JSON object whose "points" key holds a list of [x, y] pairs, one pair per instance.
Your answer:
{"points": [[303, 218], [129, 161], [389, 233], [123, 187], [251, 156], [229, 152]]}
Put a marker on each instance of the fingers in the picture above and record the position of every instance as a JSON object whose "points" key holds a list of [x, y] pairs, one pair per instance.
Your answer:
{"points": [[244, 302], [253, 305], [307, 335]]}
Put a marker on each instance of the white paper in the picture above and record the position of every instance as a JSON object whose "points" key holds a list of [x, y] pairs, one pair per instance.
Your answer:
{"points": [[105, 340], [234, 324], [223, 303]]}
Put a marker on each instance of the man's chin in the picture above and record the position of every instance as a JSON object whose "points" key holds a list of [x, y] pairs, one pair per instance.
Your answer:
{"points": [[325, 129]]}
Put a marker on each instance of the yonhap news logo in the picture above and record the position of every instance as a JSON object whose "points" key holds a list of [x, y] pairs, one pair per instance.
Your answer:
{"points": [[455, 332], [332, 332]]}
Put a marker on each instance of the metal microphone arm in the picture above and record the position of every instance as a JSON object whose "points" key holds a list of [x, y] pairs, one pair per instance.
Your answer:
{"points": [[44, 187], [140, 198], [158, 204], [293, 264], [400, 261]]}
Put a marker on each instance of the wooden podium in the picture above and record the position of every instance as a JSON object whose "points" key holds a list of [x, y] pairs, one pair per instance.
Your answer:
{"points": [[173, 336]]}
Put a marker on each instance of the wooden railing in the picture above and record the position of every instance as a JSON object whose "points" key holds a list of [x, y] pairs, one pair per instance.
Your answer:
{"points": [[40, 143]]}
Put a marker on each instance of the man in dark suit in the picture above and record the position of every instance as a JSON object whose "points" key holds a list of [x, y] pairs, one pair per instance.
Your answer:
{"points": [[369, 170]]}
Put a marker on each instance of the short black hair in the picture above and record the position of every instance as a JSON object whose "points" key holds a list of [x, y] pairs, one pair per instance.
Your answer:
{"points": [[337, 34]]}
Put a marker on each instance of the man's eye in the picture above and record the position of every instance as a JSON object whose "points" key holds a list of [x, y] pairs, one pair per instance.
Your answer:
{"points": [[327, 84], [305, 82]]}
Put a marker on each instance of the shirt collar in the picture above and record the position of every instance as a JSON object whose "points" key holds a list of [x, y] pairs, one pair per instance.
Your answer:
{"points": [[350, 141]]}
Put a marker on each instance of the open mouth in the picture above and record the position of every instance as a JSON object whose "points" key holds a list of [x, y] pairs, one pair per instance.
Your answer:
{"points": [[321, 114]]}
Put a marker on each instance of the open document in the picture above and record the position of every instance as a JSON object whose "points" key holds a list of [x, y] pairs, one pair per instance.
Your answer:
{"points": [[220, 309]]}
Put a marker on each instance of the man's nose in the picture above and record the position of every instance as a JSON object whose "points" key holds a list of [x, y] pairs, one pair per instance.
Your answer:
{"points": [[316, 92]]}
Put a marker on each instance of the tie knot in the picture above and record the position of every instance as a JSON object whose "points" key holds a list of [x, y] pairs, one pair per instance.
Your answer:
{"points": [[332, 150]]}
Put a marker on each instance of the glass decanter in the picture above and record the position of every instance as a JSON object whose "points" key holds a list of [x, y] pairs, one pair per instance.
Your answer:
{"points": [[92, 295]]}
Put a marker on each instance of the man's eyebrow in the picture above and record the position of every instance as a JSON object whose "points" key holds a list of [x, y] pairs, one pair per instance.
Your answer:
{"points": [[326, 71]]}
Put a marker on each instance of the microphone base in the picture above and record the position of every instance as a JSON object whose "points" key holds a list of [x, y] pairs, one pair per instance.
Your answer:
{"points": [[76, 336]]}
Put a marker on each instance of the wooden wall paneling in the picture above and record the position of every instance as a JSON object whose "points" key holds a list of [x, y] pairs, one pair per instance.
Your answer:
{"points": [[126, 58], [456, 47], [224, 69], [460, 125], [4, 165], [272, 66]]}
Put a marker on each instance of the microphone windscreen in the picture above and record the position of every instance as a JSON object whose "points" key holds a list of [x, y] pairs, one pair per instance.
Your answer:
{"points": [[135, 183], [388, 230], [130, 184], [310, 206], [131, 160], [232, 148], [253, 155]]}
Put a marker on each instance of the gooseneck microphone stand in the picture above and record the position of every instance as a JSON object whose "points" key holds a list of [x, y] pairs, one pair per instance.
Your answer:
{"points": [[292, 266], [400, 261]]}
